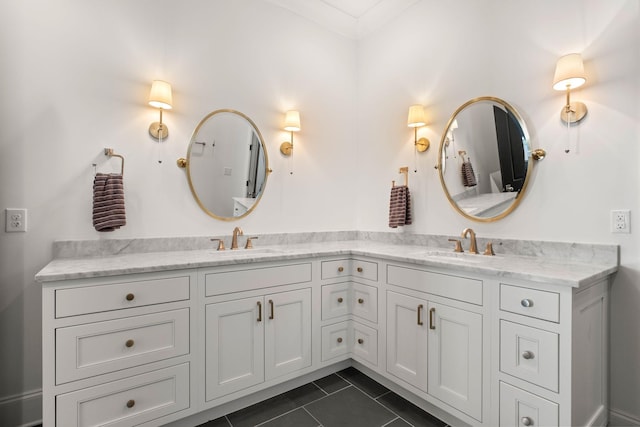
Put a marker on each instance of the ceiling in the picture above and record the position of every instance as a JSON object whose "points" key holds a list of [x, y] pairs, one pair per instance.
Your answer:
{"points": [[351, 18]]}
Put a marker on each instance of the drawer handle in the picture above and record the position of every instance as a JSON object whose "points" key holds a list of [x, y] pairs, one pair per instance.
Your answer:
{"points": [[527, 355], [259, 311], [360, 341], [420, 307], [129, 343], [340, 340], [360, 270], [340, 269], [271, 306], [131, 403], [526, 421], [360, 301], [526, 303], [130, 297], [432, 314], [340, 299]]}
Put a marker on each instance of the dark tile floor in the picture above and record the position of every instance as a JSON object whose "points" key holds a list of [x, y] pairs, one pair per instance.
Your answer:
{"points": [[345, 399]]}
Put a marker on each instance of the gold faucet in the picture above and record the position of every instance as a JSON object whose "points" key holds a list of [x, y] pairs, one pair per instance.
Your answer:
{"points": [[234, 241], [473, 248]]}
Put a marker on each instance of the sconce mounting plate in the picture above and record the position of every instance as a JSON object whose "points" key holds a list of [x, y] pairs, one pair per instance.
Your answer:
{"points": [[158, 130], [286, 148], [422, 145], [576, 112]]}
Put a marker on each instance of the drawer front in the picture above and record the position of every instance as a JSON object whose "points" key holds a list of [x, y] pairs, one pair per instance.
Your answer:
{"points": [[126, 402], [365, 343], [224, 282], [96, 348], [530, 302], [530, 354], [336, 300], [365, 302], [335, 340], [519, 408], [115, 296], [458, 288], [349, 267]]}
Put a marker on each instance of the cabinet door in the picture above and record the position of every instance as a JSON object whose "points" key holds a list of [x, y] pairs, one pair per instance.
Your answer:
{"points": [[234, 346], [455, 358], [287, 332], [407, 339]]}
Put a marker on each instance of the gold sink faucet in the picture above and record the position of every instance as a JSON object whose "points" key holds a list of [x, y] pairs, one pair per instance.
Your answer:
{"points": [[234, 241], [473, 246]]}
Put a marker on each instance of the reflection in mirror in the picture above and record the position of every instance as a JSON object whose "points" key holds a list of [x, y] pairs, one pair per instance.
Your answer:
{"points": [[485, 159], [227, 164]]}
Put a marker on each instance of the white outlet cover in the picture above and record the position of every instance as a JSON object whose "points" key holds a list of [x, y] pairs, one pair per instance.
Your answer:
{"points": [[621, 221]]}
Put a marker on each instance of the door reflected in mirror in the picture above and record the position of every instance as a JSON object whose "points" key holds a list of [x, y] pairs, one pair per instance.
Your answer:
{"points": [[227, 165], [485, 159]]}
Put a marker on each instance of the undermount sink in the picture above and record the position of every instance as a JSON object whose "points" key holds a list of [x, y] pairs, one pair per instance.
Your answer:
{"points": [[246, 252], [448, 255]]}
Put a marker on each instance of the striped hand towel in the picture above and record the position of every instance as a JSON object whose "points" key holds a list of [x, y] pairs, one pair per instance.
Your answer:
{"points": [[108, 202], [468, 175], [399, 206]]}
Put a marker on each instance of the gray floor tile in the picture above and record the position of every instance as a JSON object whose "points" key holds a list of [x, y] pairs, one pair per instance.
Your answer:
{"points": [[220, 422], [398, 422], [331, 383], [363, 382], [409, 412], [297, 418], [349, 407]]}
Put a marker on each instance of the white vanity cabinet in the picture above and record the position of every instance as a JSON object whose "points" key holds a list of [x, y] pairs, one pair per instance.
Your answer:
{"points": [[118, 350]]}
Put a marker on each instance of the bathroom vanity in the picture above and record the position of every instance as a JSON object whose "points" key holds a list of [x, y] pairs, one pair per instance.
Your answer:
{"points": [[185, 336]]}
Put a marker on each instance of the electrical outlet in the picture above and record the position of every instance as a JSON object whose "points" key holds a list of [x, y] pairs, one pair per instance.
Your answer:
{"points": [[15, 220], [620, 221]]}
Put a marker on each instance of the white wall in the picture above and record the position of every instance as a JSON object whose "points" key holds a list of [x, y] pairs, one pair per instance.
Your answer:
{"points": [[442, 54], [75, 76]]}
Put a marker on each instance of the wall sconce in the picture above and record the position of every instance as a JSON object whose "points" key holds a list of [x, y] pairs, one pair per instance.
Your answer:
{"points": [[570, 75], [160, 97], [415, 120], [291, 124]]}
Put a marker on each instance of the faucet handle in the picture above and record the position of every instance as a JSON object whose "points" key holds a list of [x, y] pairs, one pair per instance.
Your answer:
{"points": [[458, 245], [249, 244], [489, 249], [220, 243]]}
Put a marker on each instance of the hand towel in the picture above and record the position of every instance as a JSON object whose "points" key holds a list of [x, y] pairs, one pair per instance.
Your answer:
{"points": [[468, 175], [108, 202], [399, 206]]}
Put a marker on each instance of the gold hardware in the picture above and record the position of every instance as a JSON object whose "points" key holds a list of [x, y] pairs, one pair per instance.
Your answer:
{"points": [[220, 243], [249, 244], [420, 307], [271, 306], [405, 171], [360, 341], [181, 162], [340, 269], [109, 152], [129, 343], [360, 301], [130, 297], [458, 247], [527, 355], [340, 299], [526, 303], [432, 313], [473, 248], [131, 403], [489, 249], [359, 269], [259, 311], [339, 340], [526, 421], [538, 154], [234, 240]]}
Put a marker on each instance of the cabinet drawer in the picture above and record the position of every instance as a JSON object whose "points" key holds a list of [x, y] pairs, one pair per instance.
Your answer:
{"points": [[349, 267], [530, 354], [365, 301], [335, 340], [114, 296], [336, 300], [530, 302], [458, 288], [126, 402], [521, 408], [96, 348], [365, 343], [223, 282]]}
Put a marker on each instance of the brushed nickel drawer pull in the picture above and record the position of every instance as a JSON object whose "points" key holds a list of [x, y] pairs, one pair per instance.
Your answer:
{"points": [[526, 303], [360, 341], [271, 305], [527, 355], [432, 315], [339, 339], [131, 403], [129, 343], [360, 301], [259, 311], [340, 269], [360, 270], [130, 297], [340, 299], [420, 307]]}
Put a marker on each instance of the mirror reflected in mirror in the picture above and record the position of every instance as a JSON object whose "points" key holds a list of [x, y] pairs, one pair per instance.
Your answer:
{"points": [[485, 159], [227, 165]]}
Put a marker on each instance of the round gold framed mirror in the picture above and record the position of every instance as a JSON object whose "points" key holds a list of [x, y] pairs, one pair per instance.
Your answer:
{"points": [[227, 165], [485, 159]]}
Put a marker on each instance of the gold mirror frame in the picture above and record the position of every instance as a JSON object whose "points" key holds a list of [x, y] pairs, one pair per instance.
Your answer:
{"points": [[533, 155], [186, 163]]}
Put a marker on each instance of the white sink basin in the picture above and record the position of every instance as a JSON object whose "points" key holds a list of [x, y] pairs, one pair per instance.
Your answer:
{"points": [[246, 252], [449, 256]]}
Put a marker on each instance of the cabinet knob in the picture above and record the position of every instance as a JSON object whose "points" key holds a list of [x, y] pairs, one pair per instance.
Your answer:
{"points": [[130, 297], [129, 343], [526, 303], [526, 421], [340, 269], [360, 301], [360, 341], [340, 339], [527, 355], [359, 269], [340, 299], [131, 403]]}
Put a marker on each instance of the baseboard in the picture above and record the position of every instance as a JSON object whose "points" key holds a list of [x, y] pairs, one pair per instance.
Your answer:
{"points": [[618, 418], [21, 410]]}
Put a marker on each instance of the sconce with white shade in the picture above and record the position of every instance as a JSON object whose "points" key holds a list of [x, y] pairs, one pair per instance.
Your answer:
{"points": [[160, 97], [291, 124], [416, 119], [570, 75]]}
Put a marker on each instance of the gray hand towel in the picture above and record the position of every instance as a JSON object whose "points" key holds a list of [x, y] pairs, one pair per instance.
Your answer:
{"points": [[108, 202], [399, 206]]}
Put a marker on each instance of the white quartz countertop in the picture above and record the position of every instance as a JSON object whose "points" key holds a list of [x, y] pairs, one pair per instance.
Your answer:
{"points": [[531, 268]]}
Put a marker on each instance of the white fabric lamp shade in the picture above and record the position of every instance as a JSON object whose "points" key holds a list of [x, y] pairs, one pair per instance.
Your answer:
{"points": [[416, 116], [569, 72], [292, 121], [160, 95]]}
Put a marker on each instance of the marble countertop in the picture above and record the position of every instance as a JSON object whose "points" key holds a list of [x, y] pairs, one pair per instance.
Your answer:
{"points": [[574, 273]]}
